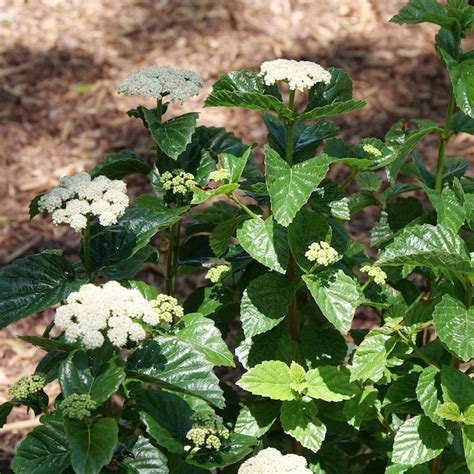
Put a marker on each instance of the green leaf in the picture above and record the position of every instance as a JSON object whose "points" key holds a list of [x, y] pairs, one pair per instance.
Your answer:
{"points": [[223, 233], [457, 387], [33, 209], [455, 327], [330, 384], [337, 296], [5, 410], [266, 242], [174, 135], [368, 181], [98, 373], [201, 195], [322, 345], [43, 451], [201, 334], [34, 283], [449, 411], [307, 227], [417, 441], [468, 444], [449, 208], [269, 379], [340, 209], [421, 11], [119, 165], [176, 364], [299, 420], [255, 419], [361, 406], [330, 110], [167, 418], [339, 89], [370, 358], [427, 394], [47, 344], [235, 165], [145, 459], [92, 444], [265, 303], [246, 90], [431, 246], [291, 186]]}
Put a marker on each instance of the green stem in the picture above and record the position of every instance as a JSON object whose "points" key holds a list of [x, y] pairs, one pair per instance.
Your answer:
{"points": [[290, 131], [349, 179], [444, 138], [417, 351], [469, 292], [86, 247], [242, 206], [172, 260], [159, 110]]}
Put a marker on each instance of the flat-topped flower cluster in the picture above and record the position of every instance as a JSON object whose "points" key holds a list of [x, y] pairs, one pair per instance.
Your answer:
{"points": [[271, 460], [79, 198]]}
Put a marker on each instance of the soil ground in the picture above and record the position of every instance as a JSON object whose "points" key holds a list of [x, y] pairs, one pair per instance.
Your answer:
{"points": [[61, 60]]}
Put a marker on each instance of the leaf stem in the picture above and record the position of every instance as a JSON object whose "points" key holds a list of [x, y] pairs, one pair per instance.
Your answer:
{"points": [[417, 351], [172, 258], [349, 179], [444, 138], [290, 130], [242, 206], [86, 248]]}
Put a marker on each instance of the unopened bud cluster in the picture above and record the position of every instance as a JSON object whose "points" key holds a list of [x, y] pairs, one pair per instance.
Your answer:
{"points": [[219, 175], [27, 386], [321, 253], [270, 460], [207, 433], [79, 198], [77, 406], [216, 274], [166, 310], [177, 182], [376, 273]]}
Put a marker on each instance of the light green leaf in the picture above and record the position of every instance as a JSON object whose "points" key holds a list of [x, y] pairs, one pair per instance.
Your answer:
{"points": [[431, 246], [119, 165], [265, 241], [145, 459], [44, 451], [291, 186], [173, 136], [245, 89], [361, 406], [340, 209], [98, 373], [201, 334], [202, 195], [265, 303], [299, 420], [269, 379], [449, 411], [417, 441], [468, 444], [176, 364], [337, 296], [235, 165], [297, 378], [427, 394], [330, 384], [92, 444], [368, 181], [455, 326], [449, 209], [370, 358], [34, 283], [421, 11], [255, 419], [330, 110]]}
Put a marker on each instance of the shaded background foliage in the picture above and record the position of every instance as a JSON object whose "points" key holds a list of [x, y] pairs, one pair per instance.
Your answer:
{"points": [[60, 61]]}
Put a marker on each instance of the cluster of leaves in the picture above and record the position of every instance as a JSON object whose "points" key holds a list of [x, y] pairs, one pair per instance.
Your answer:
{"points": [[397, 398]]}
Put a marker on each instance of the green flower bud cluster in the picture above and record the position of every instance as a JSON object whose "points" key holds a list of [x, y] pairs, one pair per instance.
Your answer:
{"points": [[177, 182], [77, 406], [321, 253], [376, 273], [27, 386], [207, 432], [219, 175], [372, 150], [166, 309], [216, 274]]}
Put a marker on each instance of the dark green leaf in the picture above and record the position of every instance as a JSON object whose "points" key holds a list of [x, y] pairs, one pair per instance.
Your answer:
{"points": [[119, 165], [330, 384], [145, 458], [235, 164], [255, 419], [330, 110], [421, 11], [34, 283], [47, 344], [457, 387], [339, 89]]}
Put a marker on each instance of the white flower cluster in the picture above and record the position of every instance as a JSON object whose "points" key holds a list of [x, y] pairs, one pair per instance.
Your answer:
{"points": [[372, 150], [111, 310], [299, 75], [157, 82], [178, 182], [166, 310], [219, 175], [321, 253], [216, 274], [378, 275], [78, 197], [270, 460]]}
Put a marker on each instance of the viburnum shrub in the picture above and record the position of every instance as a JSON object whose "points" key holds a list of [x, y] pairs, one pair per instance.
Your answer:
{"points": [[296, 389]]}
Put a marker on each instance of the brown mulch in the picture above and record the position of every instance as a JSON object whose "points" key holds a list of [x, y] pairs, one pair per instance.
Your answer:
{"points": [[60, 61]]}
